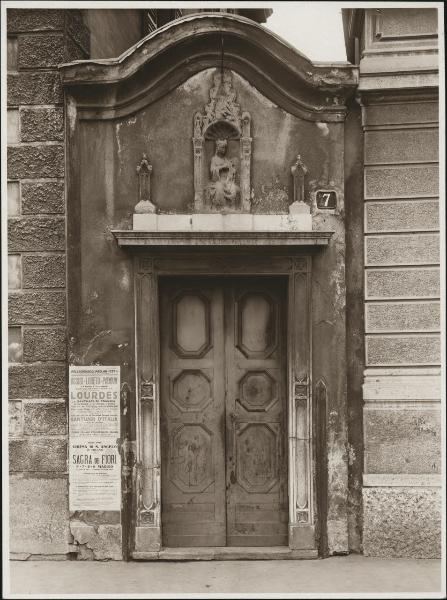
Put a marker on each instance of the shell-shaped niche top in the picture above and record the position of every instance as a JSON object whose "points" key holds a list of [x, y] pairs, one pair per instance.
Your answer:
{"points": [[222, 151]]}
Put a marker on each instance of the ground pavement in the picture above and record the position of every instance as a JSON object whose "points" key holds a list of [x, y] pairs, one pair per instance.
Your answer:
{"points": [[342, 575]]}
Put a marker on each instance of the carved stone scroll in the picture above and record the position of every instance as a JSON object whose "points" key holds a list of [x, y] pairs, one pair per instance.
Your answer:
{"points": [[223, 185]]}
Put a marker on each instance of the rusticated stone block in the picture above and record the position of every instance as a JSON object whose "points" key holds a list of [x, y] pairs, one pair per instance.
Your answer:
{"points": [[403, 350], [44, 418], [402, 522], [406, 145], [402, 441], [41, 124], [398, 182], [43, 344], [37, 381], [41, 51], [47, 455], [21, 20], [415, 23], [31, 234], [402, 283], [34, 88], [36, 308], [402, 316], [31, 162], [395, 114], [38, 512], [406, 249], [43, 271], [402, 215], [43, 197]]}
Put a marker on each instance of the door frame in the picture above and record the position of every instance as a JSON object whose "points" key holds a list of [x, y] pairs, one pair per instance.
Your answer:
{"points": [[148, 268]]}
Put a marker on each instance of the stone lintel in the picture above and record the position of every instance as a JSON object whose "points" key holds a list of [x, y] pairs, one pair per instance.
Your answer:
{"points": [[231, 222]]}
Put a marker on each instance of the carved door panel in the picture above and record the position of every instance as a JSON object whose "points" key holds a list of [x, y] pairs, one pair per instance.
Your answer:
{"points": [[192, 413], [256, 428], [223, 415]]}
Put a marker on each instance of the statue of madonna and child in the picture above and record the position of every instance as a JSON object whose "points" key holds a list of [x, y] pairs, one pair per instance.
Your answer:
{"points": [[222, 192]]}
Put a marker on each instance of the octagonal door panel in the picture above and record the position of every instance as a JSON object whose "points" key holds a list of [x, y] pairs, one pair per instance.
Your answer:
{"points": [[223, 421], [256, 427], [192, 413]]}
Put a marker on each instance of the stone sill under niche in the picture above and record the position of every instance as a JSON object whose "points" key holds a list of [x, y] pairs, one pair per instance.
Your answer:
{"points": [[217, 222]]}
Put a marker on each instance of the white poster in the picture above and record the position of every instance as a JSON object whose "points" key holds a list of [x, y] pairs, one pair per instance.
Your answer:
{"points": [[94, 420]]}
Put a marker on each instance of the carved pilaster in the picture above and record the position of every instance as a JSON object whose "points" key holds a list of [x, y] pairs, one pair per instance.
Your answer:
{"points": [[198, 165], [246, 141], [148, 519], [301, 519], [302, 405]]}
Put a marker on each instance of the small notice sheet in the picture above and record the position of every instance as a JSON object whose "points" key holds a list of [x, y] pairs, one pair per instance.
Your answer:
{"points": [[94, 420]]}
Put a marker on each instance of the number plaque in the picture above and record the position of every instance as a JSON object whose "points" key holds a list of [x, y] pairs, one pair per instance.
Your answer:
{"points": [[326, 199]]}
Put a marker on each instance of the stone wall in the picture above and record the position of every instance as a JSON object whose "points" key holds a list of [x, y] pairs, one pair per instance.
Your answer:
{"points": [[402, 451], [38, 41]]}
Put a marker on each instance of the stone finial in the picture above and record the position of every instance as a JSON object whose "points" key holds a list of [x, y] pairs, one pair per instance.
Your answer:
{"points": [[144, 170], [299, 171]]}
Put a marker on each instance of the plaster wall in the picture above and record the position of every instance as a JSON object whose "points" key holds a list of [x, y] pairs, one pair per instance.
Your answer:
{"points": [[105, 192]]}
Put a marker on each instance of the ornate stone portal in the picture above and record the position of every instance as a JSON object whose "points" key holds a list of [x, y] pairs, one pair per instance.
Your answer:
{"points": [[222, 183]]}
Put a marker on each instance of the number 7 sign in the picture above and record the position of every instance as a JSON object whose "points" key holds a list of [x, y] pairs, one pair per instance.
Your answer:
{"points": [[326, 199]]}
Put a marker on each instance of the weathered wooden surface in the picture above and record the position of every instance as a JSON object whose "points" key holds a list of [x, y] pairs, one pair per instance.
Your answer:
{"points": [[223, 424]]}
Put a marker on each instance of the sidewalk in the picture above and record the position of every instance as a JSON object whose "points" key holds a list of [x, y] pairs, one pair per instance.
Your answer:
{"points": [[347, 574]]}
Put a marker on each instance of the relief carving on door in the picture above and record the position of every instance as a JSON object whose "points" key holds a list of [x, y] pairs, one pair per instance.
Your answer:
{"points": [[257, 456], [191, 458], [231, 428]]}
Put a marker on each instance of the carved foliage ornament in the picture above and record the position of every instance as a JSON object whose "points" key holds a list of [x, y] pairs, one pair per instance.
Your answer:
{"points": [[224, 185]]}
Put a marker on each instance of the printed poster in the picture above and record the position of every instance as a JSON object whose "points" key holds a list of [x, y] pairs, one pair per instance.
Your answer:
{"points": [[94, 421]]}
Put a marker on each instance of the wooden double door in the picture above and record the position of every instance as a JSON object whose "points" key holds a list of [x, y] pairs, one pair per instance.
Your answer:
{"points": [[223, 411]]}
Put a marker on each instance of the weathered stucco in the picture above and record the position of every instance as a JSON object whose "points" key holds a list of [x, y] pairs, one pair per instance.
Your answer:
{"points": [[107, 189]]}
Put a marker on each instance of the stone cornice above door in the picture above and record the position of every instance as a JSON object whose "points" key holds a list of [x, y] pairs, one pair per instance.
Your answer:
{"points": [[129, 238], [104, 89]]}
